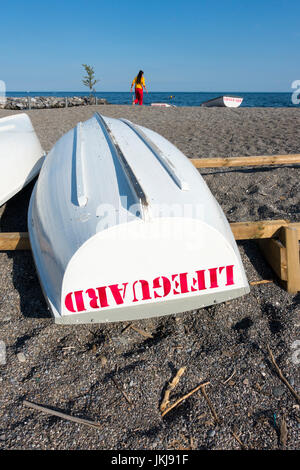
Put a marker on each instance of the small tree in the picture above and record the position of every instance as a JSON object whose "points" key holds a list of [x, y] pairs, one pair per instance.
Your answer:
{"points": [[89, 80]]}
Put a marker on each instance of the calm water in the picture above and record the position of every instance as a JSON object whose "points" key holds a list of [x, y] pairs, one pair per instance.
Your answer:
{"points": [[273, 100]]}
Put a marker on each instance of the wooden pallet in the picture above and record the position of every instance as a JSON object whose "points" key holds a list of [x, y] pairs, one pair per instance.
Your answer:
{"points": [[278, 241], [282, 253]]}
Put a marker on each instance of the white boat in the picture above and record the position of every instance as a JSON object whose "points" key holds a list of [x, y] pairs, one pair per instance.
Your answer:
{"points": [[163, 105], [21, 155], [228, 101], [122, 226]]}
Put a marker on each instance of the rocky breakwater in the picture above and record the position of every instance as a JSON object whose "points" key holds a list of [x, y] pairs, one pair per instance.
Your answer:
{"points": [[40, 102]]}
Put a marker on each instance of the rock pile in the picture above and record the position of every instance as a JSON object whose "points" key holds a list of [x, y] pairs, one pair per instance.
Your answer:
{"points": [[40, 102]]}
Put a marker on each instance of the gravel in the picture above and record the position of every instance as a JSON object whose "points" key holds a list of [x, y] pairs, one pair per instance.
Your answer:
{"points": [[113, 375]]}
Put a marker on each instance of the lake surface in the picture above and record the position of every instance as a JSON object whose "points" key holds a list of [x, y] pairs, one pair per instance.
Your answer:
{"points": [[272, 100]]}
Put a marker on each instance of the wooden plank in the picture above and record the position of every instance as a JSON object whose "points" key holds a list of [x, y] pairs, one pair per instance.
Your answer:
{"points": [[14, 241], [246, 161], [293, 262], [257, 230], [282, 254], [241, 231], [275, 254], [281, 234], [296, 225]]}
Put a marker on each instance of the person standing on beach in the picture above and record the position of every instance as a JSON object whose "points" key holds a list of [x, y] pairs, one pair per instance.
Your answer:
{"points": [[139, 83]]}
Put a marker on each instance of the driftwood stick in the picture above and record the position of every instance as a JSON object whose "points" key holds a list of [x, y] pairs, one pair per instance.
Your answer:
{"points": [[283, 432], [263, 281], [230, 377], [122, 391], [243, 446], [141, 332], [184, 398], [126, 328], [282, 377], [171, 387], [216, 418], [48, 411]]}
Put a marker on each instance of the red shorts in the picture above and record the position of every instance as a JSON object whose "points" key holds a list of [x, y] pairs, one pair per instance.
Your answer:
{"points": [[139, 96]]}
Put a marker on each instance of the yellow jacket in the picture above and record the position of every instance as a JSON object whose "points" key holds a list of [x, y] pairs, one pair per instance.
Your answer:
{"points": [[138, 85]]}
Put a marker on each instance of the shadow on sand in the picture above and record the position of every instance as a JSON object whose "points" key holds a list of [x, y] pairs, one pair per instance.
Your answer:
{"points": [[25, 279], [257, 260], [255, 169]]}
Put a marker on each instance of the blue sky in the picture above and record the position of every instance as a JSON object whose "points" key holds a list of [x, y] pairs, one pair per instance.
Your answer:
{"points": [[191, 45]]}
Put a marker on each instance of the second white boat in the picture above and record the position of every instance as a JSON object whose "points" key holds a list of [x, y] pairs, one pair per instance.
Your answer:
{"points": [[21, 154]]}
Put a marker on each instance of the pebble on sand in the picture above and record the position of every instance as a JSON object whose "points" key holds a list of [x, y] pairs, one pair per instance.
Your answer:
{"points": [[21, 357], [278, 391]]}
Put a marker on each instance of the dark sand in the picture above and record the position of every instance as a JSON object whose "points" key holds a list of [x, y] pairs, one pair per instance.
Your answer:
{"points": [[93, 371]]}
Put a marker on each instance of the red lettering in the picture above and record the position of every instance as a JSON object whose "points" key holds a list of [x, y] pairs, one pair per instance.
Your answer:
{"points": [[194, 281], [166, 285], [229, 275], [94, 299], [183, 283], [145, 290], [200, 281], [116, 292], [176, 284], [79, 301], [213, 278], [69, 302], [162, 286], [102, 296]]}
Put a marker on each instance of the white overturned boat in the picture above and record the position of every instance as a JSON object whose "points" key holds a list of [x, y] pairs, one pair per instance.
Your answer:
{"points": [[220, 101], [163, 105], [21, 155], [122, 226]]}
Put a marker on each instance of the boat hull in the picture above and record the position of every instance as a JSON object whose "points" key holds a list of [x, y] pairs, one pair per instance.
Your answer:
{"points": [[122, 226], [224, 101], [21, 155], [163, 105]]}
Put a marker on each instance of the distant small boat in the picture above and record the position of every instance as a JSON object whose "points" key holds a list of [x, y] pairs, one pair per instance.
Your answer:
{"points": [[21, 155], [122, 226], [163, 105], [227, 101]]}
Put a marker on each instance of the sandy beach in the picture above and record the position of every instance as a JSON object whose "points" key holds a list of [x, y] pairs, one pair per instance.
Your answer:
{"points": [[115, 374]]}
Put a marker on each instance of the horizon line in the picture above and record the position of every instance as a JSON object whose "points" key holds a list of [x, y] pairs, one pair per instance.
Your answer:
{"points": [[153, 91]]}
